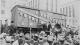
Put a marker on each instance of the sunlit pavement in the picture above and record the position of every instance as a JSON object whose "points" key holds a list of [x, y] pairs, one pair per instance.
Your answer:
{"points": [[3, 42]]}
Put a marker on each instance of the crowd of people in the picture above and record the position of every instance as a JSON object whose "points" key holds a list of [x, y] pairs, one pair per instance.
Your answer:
{"points": [[52, 36]]}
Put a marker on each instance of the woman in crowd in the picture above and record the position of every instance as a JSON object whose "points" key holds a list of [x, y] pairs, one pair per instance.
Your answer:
{"points": [[59, 36]]}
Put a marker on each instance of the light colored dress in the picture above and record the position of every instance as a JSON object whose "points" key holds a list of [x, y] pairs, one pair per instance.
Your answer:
{"points": [[50, 37], [3, 42], [25, 44], [45, 43], [15, 43]]}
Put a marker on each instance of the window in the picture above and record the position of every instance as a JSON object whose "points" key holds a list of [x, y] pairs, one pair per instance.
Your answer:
{"points": [[12, 21], [44, 15], [36, 20], [55, 21], [25, 15], [3, 3], [33, 18], [52, 21], [20, 13], [37, 12], [2, 11], [50, 18], [30, 17], [47, 17], [41, 14]]}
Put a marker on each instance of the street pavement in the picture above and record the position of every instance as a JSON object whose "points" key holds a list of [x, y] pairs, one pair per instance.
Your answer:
{"points": [[3, 42]]}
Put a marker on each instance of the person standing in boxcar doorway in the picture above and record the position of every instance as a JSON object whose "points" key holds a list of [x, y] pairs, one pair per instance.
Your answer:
{"points": [[57, 31], [44, 27], [12, 28], [49, 26], [5, 26]]}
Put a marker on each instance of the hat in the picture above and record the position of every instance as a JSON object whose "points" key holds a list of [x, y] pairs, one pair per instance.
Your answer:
{"points": [[21, 34], [1, 36], [36, 34], [58, 26], [27, 35], [42, 32]]}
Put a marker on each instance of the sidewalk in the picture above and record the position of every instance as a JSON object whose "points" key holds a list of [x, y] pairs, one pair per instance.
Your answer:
{"points": [[3, 42]]}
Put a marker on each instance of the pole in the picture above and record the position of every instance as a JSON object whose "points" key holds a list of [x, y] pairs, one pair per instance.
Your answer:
{"points": [[52, 5], [33, 4], [30, 32], [63, 11], [69, 11], [73, 16], [47, 5], [56, 5], [38, 4]]}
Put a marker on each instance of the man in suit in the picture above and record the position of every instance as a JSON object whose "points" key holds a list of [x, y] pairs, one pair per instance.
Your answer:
{"points": [[49, 26]]}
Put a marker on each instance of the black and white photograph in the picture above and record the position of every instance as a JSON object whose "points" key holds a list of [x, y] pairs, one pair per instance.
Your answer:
{"points": [[39, 22]]}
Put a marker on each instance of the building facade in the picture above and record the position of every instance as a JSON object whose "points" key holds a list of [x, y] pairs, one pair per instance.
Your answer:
{"points": [[46, 5], [72, 12], [23, 16]]}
